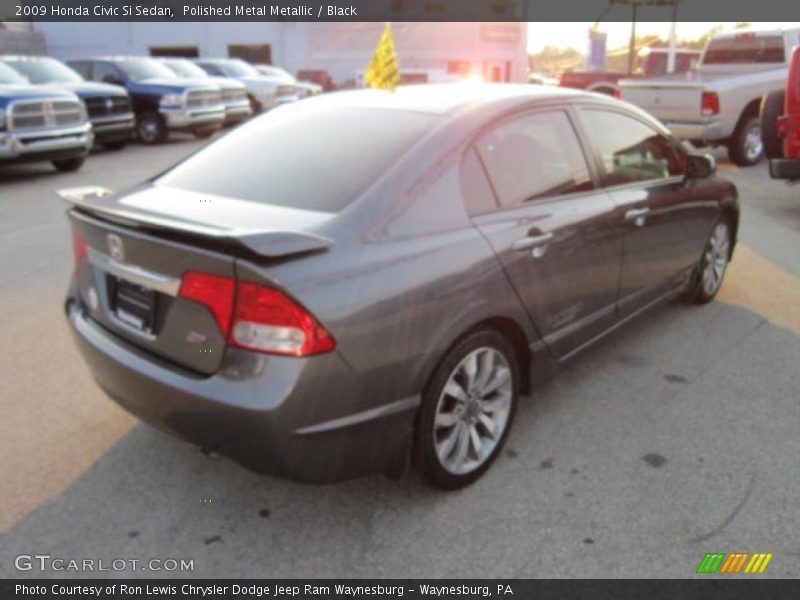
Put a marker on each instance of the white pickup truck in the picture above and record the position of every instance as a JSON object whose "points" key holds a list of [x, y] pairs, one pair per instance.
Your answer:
{"points": [[717, 103]]}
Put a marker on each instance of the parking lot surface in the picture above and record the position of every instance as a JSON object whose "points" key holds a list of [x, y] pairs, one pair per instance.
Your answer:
{"points": [[676, 437]]}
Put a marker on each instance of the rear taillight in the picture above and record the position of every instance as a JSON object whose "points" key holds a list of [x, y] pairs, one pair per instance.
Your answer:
{"points": [[79, 252], [258, 318], [212, 291], [709, 104], [268, 321]]}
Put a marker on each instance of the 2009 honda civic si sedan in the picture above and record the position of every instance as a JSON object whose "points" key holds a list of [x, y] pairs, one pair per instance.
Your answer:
{"points": [[368, 277]]}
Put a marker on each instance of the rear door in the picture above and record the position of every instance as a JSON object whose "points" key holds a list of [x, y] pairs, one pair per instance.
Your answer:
{"points": [[666, 218], [556, 236]]}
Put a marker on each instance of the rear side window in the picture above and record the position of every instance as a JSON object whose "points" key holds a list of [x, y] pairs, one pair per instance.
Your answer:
{"points": [[303, 156], [534, 156], [630, 150], [745, 48]]}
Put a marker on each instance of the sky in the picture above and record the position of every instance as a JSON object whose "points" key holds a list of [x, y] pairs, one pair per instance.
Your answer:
{"points": [[575, 35]]}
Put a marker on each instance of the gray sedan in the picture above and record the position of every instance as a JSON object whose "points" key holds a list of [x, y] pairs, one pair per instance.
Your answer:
{"points": [[366, 278]]}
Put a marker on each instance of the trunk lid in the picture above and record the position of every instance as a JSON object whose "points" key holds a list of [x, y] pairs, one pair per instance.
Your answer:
{"points": [[138, 247]]}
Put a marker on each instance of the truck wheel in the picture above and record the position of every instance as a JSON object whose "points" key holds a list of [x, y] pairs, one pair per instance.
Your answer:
{"points": [[202, 134], [745, 147], [114, 146], [68, 165], [771, 109], [150, 128]]}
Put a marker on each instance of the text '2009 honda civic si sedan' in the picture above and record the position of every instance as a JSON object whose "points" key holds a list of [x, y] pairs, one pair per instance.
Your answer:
{"points": [[367, 277]]}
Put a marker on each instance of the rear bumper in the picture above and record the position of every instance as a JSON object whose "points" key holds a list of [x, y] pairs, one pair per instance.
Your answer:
{"points": [[785, 168], [302, 419], [706, 132], [43, 145]]}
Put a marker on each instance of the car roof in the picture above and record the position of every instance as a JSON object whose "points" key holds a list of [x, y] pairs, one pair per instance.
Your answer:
{"points": [[446, 97]]}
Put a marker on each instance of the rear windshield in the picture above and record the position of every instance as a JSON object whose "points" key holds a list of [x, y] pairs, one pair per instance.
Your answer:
{"points": [[745, 48], [312, 158]]}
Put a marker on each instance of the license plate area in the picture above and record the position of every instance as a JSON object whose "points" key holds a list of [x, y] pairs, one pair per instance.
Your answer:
{"points": [[133, 305]]}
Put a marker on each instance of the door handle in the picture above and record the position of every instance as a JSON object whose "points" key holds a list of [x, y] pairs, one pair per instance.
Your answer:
{"points": [[637, 215], [537, 244]]}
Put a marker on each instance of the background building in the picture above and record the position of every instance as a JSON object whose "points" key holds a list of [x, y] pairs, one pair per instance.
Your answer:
{"points": [[20, 38], [493, 51]]}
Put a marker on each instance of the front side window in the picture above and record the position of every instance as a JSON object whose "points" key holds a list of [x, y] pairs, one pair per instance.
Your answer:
{"points": [[107, 72], [532, 157], [631, 151]]}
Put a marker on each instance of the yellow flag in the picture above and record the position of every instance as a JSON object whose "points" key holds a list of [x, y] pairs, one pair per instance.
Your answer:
{"points": [[382, 71]]}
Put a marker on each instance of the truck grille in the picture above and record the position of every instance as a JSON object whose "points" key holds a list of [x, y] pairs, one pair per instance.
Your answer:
{"points": [[201, 98], [231, 96], [285, 90], [43, 115], [107, 106]]}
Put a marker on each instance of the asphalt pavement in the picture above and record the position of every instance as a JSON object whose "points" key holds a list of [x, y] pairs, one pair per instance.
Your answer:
{"points": [[676, 437]]}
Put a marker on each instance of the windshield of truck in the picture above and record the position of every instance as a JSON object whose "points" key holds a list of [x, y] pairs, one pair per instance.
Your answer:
{"points": [[44, 70], [238, 68], [10, 76], [745, 48], [140, 69], [185, 68]]}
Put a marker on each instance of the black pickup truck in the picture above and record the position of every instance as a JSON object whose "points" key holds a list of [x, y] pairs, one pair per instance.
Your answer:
{"points": [[108, 106], [161, 102]]}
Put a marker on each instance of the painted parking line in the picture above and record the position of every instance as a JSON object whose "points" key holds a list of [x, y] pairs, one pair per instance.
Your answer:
{"points": [[758, 284]]}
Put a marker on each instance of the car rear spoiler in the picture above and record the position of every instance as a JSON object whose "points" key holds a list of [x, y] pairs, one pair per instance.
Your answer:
{"points": [[94, 200]]}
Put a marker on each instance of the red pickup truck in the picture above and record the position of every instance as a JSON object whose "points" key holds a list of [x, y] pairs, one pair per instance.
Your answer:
{"points": [[780, 125], [651, 63]]}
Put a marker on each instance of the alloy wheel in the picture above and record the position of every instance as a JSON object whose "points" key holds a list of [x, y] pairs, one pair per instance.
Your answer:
{"points": [[473, 411], [716, 259]]}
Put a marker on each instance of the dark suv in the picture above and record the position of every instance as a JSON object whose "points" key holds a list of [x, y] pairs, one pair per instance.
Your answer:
{"points": [[161, 101], [108, 106]]}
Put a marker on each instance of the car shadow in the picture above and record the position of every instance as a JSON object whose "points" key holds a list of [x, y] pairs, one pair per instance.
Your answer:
{"points": [[635, 449]]}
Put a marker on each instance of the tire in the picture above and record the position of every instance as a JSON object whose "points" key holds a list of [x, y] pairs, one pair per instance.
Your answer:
{"points": [[69, 165], [446, 451], [114, 146], [745, 147], [203, 134], [771, 109], [150, 128], [713, 264]]}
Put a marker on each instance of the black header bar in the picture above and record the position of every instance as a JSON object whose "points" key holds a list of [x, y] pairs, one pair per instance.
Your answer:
{"points": [[395, 10]]}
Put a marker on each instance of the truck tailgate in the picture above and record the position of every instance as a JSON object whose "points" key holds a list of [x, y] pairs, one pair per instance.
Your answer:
{"points": [[666, 101]]}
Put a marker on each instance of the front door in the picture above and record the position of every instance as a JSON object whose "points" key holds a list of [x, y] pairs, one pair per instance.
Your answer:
{"points": [[554, 233], [665, 218]]}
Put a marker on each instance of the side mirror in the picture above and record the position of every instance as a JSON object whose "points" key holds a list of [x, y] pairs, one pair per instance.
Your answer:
{"points": [[112, 79], [699, 166]]}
